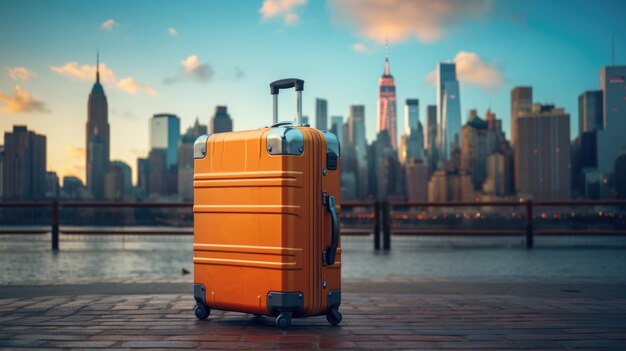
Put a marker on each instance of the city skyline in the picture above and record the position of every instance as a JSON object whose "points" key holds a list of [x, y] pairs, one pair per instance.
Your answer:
{"points": [[199, 79]]}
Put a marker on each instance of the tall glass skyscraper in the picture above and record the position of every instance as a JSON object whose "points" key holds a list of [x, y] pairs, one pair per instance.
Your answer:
{"points": [[97, 146], [165, 135], [321, 114], [387, 104], [448, 110], [358, 142]]}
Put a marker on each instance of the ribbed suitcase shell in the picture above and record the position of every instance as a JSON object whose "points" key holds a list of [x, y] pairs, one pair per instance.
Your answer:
{"points": [[260, 225]]}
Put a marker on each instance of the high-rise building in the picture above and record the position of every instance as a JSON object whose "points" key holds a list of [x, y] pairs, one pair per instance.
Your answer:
{"points": [[590, 112], [521, 102], [416, 180], [73, 188], [475, 148], [387, 168], [97, 139], [411, 115], [157, 173], [221, 121], [118, 184], [359, 144], [496, 181], [165, 135], [412, 142], [336, 127], [542, 160], [387, 104], [143, 177], [448, 111], [24, 165], [611, 139], [53, 190], [431, 136], [321, 114], [185, 160], [450, 185]]}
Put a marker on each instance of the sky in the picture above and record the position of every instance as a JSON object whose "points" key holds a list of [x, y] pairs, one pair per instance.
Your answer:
{"points": [[187, 57]]}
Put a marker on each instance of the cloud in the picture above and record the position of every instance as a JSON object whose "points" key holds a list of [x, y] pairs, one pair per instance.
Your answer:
{"points": [[281, 8], [359, 47], [109, 25], [86, 72], [192, 68], [20, 73], [472, 69], [172, 31], [400, 20], [76, 153], [107, 76], [130, 85], [20, 102]]}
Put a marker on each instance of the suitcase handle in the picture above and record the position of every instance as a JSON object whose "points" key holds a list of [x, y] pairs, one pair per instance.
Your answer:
{"points": [[328, 257], [287, 83]]}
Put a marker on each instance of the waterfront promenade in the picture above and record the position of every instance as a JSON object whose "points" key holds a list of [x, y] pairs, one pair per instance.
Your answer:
{"points": [[407, 299]]}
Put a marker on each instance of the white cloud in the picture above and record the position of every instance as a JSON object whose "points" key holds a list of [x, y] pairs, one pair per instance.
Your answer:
{"points": [[359, 47], [193, 68], [284, 9], [109, 24], [107, 76], [130, 85], [172, 31], [472, 69], [76, 153], [20, 73], [20, 102], [399, 20], [86, 72]]}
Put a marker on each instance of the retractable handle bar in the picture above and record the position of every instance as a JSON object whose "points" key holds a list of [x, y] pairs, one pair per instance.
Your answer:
{"points": [[287, 83]]}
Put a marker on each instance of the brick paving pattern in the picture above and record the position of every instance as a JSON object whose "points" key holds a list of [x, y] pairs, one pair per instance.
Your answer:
{"points": [[371, 321]]}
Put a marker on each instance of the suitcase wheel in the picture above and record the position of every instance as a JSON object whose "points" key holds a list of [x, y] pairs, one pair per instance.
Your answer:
{"points": [[202, 311], [333, 316], [283, 320]]}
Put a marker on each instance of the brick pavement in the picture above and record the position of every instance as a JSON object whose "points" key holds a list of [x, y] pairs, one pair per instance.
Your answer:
{"points": [[372, 320]]}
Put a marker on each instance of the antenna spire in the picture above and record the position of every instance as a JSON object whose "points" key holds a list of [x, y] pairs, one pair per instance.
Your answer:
{"points": [[98, 66], [386, 57]]}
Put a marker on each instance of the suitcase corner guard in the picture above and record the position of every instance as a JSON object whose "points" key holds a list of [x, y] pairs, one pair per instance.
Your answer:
{"points": [[199, 293], [280, 302], [333, 299]]}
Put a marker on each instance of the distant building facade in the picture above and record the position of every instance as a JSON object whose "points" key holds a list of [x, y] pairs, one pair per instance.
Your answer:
{"points": [[359, 144], [165, 135], [431, 136], [543, 159], [221, 121], [590, 111], [24, 165], [321, 114], [98, 143], [336, 127], [387, 118], [448, 111], [417, 173]]}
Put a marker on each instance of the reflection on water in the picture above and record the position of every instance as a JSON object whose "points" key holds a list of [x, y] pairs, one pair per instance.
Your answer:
{"points": [[84, 259]]}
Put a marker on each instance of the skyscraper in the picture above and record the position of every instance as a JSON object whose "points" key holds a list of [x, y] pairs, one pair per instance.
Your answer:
{"points": [[221, 122], [416, 180], [542, 160], [165, 135], [359, 144], [611, 139], [448, 111], [521, 101], [98, 139], [336, 127], [590, 112], [431, 136], [24, 165], [387, 104], [475, 149], [321, 114], [411, 115]]}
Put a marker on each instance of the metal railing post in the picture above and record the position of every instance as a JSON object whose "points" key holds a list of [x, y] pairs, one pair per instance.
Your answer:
{"points": [[55, 226], [377, 225], [386, 225], [529, 224]]}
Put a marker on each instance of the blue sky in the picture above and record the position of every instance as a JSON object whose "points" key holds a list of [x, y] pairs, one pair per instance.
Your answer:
{"points": [[555, 46]]}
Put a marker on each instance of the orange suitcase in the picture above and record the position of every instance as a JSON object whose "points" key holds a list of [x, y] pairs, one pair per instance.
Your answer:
{"points": [[266, 220]]}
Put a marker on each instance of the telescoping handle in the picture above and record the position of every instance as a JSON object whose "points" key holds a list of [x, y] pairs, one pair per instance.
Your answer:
{"points": [[287, 83]]}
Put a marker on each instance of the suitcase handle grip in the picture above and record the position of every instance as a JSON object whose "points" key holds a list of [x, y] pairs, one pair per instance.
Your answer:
{"points": [[287, 83], [331, 251]]}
